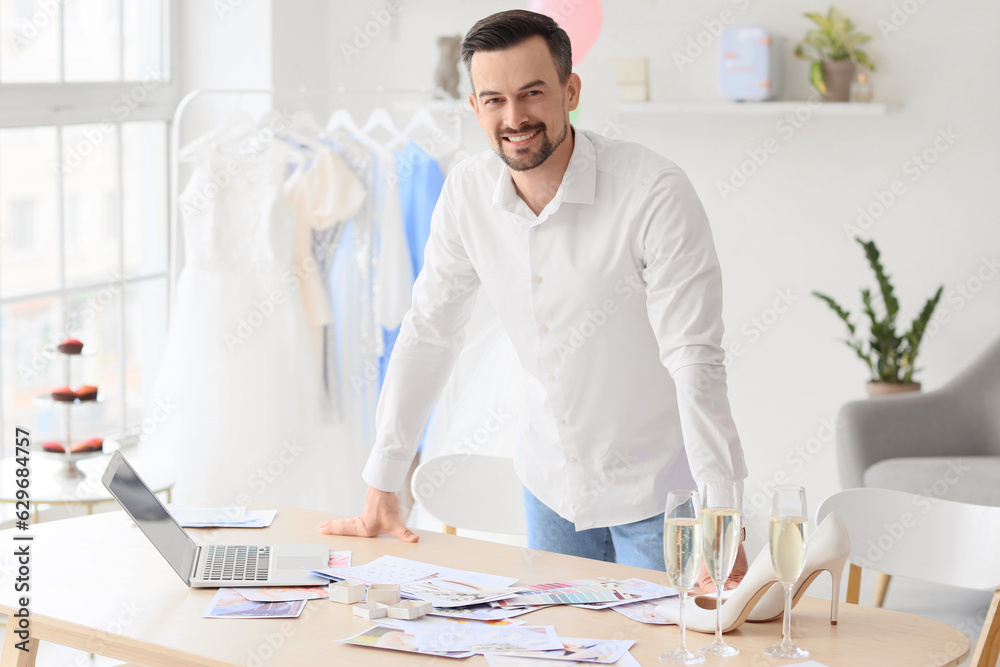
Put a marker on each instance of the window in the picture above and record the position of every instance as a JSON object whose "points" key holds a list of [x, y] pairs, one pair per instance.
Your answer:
{"points": [[83, 207]]}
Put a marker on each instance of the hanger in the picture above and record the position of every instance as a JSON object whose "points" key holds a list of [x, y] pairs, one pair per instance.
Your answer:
{"points": [[381, 118], [341, 120], [423, 118], [236, 125]]}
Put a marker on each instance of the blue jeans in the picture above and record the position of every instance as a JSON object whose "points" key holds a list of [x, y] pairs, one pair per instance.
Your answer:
{"points": [[639, 544]]}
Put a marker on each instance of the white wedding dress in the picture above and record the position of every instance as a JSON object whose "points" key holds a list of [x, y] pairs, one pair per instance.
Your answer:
{"points": [[239, 370]]}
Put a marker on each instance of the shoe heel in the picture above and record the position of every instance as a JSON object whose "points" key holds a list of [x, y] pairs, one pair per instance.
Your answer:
{"points": [[837, 573]]}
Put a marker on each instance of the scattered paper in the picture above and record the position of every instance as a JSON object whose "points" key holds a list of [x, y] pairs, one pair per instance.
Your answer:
{"points": [[643, 611], [197, 516], [573, 595], [385, 636], [631, 590], [502, 660], [229, 603], [480, 612], [604, 651], [408, 625], [383, 570], [275, 594], [481, 638], [339, 559], [455, 591]]}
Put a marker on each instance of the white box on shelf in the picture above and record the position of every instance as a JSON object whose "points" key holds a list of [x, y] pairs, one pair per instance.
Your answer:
{"points": [[409, 609], [347, 591], [633, 78], [370, 610], [384, 593]]}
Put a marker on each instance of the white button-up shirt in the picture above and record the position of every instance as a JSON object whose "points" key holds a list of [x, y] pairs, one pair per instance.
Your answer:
{"points": [[612, 297]]}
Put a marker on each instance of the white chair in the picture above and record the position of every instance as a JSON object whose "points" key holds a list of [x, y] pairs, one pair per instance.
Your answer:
{"points": [[935, 540], [471, 491]]}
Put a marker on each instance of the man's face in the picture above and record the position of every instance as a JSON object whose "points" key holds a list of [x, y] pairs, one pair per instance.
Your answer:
{"points": [[520, 103]]}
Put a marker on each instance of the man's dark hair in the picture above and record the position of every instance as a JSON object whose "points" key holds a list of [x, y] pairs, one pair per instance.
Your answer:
{"points": [[504, 30]]}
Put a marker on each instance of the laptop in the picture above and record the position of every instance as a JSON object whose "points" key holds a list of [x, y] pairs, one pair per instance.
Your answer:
{"points": [[211, 565]]}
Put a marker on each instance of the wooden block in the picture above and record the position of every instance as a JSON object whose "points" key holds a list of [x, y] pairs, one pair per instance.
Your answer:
{"points": [[384, 593], [347, 591], [409, 609], [370, 610]]}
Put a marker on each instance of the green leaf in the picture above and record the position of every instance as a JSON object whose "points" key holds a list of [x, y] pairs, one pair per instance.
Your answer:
{"points": [[841, 313], [816, 76]]}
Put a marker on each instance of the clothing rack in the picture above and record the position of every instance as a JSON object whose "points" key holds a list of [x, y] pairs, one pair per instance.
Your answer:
{"points": [[173, 251]]}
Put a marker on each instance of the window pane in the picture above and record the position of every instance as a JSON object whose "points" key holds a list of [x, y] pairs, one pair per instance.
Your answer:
{"points": [[29, 211], [144, 174], [93, 40], [90, 191], [30, 35], [145, 335], [93, 317], [144, 32], [31, 366]]}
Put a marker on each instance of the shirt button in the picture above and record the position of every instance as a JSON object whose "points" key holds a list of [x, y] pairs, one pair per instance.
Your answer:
{"points": [[552, 378], [544, 329], [538, 279], [562, 421], [573, 459]]}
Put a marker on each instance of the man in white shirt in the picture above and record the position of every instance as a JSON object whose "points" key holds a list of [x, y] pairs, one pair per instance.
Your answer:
{"points": [[598, 258]]}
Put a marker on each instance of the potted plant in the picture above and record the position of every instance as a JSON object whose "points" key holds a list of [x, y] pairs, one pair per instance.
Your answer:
{"points": [[891, 359], [835, 54]]}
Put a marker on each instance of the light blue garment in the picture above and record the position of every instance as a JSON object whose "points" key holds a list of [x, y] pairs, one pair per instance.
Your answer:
{"points": [[420, 181], [639, 544]]}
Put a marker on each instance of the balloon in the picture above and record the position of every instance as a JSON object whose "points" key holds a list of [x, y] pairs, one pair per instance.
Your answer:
{"points": [[581, 19]]}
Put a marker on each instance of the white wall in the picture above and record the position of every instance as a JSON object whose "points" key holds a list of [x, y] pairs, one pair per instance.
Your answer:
{"points": [[784, 231]]}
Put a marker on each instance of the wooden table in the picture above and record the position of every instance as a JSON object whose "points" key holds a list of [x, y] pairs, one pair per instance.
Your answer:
{"points": [[98, 585]]}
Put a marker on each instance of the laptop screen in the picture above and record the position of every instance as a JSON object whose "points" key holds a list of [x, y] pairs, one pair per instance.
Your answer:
{"points": [[150, 515]]}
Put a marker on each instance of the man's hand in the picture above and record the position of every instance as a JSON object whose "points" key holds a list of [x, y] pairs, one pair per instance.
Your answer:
{"points": [[735, 577], [379, 517]]}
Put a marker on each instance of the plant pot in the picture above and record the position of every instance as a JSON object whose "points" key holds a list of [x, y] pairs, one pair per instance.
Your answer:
{"points": [[889, 388], [838, 75]]}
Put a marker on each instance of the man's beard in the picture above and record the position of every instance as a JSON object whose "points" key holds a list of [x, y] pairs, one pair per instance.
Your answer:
{"points": [[530, 160]]}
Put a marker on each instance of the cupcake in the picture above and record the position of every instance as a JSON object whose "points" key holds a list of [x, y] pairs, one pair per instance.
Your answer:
{"points": [[87, 392], [70, 346], [64, 394], [88, 445]]}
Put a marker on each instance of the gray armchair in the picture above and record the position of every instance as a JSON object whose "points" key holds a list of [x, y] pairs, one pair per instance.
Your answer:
{"points": [[943, 443]]}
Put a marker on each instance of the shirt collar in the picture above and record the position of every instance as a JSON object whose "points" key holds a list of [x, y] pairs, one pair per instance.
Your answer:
{"points": [[577, 186]]}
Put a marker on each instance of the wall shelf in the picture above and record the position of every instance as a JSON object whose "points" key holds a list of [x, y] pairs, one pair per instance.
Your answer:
{"points": [[776, 108]]}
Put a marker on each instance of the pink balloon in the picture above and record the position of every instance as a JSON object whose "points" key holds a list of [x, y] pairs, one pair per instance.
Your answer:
{"points": [[581, 19]]}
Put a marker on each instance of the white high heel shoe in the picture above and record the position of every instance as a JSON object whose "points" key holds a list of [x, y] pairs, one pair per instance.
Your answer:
{"points": [[757, 598]]}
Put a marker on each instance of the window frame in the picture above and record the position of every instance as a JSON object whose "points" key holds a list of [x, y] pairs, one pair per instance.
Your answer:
{"points": [[60, 104]]}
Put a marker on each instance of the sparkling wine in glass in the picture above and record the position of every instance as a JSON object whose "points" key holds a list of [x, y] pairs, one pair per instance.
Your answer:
{"points": [[788, 556], [721, 532], [682, 545]]}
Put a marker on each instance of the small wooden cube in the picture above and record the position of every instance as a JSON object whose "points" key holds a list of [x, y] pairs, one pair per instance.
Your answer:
{"points": [[384, 593], [370, 610], [409, 609], [347, 591]]}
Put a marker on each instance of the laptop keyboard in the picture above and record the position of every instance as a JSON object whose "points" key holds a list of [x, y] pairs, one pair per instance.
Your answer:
{"points": [[231, 562]]}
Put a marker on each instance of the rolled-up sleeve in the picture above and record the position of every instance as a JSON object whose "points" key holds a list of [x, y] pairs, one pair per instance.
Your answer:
{"points": [[430, 339], [684, 303]]}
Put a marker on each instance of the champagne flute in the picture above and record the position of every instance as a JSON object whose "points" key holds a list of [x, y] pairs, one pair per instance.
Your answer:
{"points": [[788, 556], [721, 533], [682, 553]]}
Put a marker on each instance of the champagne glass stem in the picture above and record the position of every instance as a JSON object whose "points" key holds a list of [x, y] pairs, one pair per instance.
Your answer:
{"points": [[718, 612], [786, 623], [683, 647]]}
